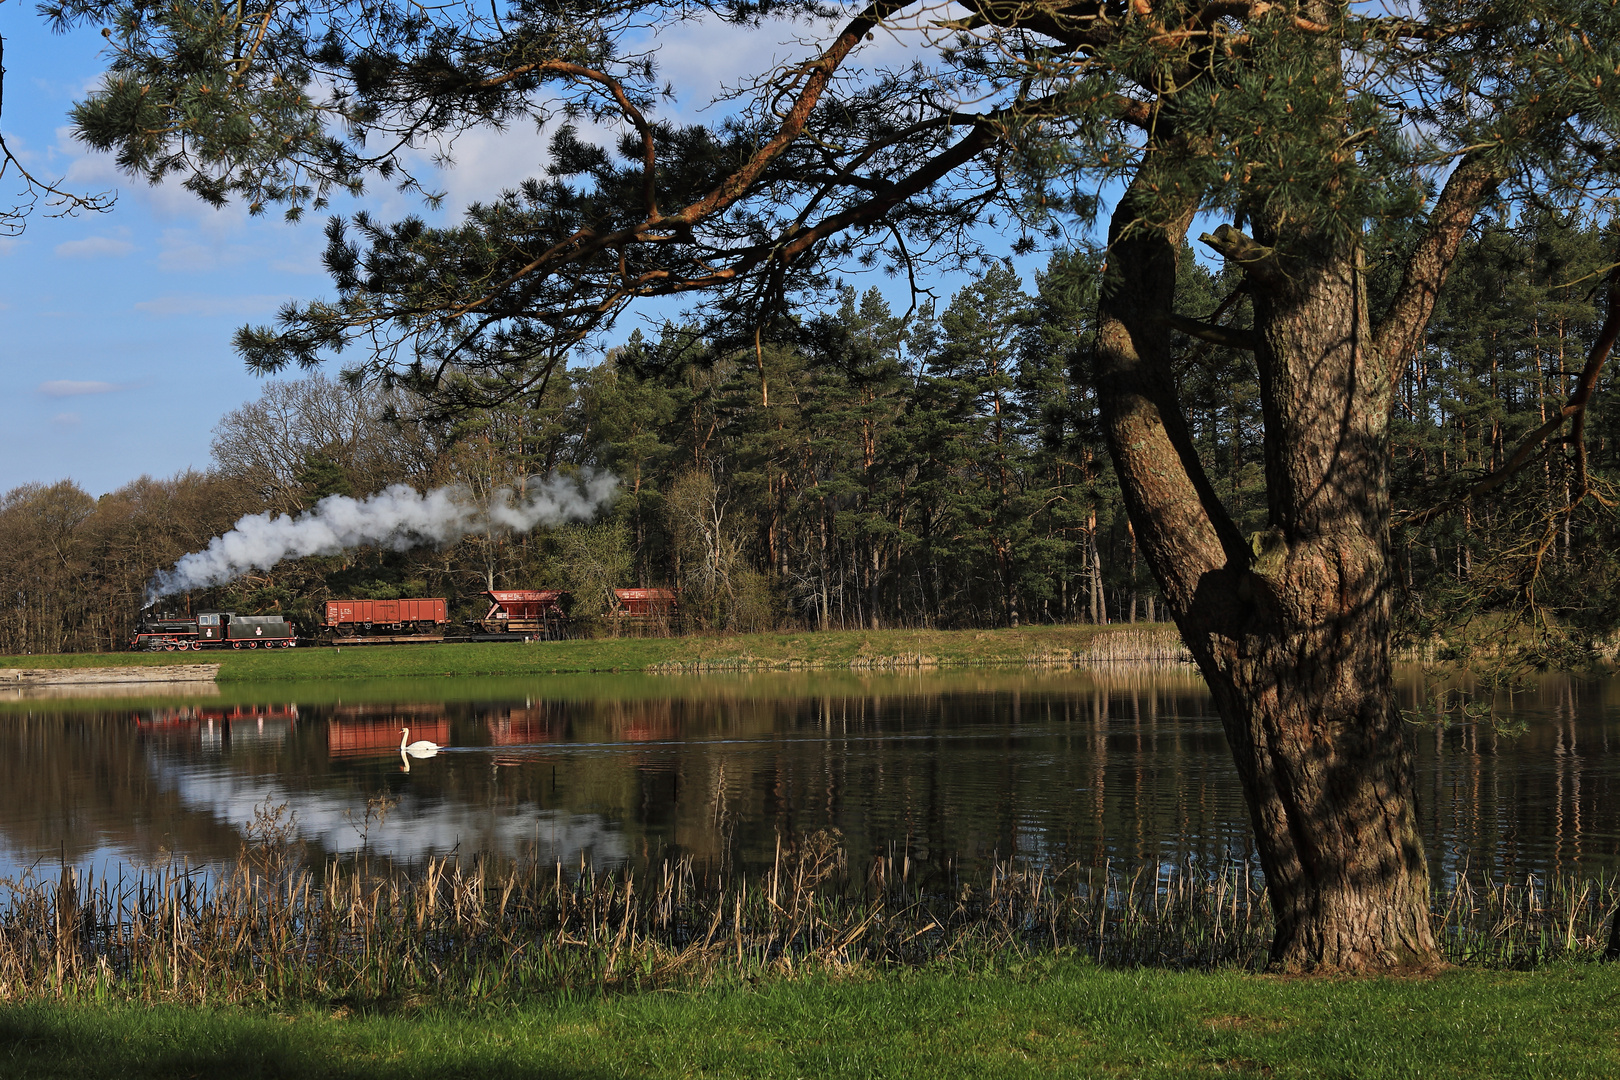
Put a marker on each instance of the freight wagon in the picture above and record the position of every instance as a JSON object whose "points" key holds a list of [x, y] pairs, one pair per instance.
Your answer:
{"points": [[530, 612], [352, 618], [647, 604]]}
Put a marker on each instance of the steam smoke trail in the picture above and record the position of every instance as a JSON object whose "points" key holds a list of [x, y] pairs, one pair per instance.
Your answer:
{"points": [[397, 518]]}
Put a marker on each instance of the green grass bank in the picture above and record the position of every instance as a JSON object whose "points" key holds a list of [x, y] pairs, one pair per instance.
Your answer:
{"points": [[801, 650], [1048, 1017]]}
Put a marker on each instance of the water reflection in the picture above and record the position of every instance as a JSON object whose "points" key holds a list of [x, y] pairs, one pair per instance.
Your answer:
{"points": [[944, 769]]}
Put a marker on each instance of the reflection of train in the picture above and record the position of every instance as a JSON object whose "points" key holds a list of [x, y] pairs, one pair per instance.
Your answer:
{"points": [[219, 728], [183, 715], [523, 727], [212, 630], [374, 730]]}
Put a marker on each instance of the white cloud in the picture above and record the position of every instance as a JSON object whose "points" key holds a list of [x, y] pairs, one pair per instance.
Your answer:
{"points": [[94, 247], [72, 388], [181, 250], [187, 304], [88, 170], [307, 263], [490, 162]]}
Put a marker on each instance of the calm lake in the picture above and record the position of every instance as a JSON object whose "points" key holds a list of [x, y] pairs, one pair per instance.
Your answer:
{"points": [[953, 768]]}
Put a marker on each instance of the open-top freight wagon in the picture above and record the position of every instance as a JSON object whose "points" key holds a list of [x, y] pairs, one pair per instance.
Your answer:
{"points": [[212, 630], [415, 620]]}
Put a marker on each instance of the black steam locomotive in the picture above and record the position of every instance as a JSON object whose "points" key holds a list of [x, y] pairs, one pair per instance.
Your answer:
{"points": [[211, 630]]}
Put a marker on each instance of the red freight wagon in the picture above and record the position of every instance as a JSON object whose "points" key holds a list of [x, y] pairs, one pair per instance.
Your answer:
{"points": [[646, 603], [349, 617], [524, 611]]}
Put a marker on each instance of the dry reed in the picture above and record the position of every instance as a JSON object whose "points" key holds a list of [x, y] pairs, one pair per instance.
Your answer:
{"points": [[270, 928], [1152, 643]]}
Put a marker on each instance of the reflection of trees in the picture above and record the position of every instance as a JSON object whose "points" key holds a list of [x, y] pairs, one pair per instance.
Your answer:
{"points": [[1130, 769], [1546, 798], [78, 782]]}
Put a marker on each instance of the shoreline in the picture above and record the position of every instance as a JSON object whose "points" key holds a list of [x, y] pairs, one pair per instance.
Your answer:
{"points": [[42, 684], [826, 650]]}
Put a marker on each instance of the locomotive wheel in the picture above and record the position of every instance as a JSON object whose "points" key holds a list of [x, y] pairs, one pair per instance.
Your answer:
{"points": [[169, 647], [253, 644], [236, 644]]}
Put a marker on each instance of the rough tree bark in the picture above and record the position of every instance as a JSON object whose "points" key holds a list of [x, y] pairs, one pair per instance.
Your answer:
{"points": [[1290, 627]]}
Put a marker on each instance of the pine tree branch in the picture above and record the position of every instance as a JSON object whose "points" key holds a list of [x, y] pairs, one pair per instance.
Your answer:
{"points": [[1257, 261], [1574, 410], [1231, 337], [1399, 334]]}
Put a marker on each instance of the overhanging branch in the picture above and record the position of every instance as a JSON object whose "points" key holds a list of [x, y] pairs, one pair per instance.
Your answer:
{"points": [[1231, 337]]}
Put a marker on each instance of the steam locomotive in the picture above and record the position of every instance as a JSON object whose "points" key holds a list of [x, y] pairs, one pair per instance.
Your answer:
{"points": [[211, 630]]}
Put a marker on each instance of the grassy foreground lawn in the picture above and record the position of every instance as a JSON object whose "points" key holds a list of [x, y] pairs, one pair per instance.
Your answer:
{"points": [[802, 649], [1052, 1018]]}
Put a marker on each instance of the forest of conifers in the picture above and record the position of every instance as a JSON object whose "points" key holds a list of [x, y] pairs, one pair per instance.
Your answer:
{"points": [[945, 470]]}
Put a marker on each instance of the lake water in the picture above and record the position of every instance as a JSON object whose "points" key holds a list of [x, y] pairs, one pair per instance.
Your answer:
{"points": [[949, 768]]}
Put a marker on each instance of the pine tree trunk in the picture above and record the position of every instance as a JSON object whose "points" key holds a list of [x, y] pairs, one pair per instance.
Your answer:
{"points": [[1290, 628]]}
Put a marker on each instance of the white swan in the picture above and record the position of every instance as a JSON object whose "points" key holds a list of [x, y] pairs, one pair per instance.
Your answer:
{"points": [[419, 749]]}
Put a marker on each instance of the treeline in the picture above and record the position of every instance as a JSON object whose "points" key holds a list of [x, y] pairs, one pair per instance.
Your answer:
{"points": [[860, 470]]}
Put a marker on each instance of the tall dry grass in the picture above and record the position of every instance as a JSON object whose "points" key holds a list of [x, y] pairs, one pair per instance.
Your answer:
{"points": [[270, 928]]}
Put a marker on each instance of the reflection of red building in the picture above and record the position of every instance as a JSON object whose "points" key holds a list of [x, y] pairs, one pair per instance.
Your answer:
{"points": [[519, 727], [376, 735]]}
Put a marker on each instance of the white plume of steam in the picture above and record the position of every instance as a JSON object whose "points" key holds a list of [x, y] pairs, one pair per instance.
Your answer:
{"points": [[397, 518]]}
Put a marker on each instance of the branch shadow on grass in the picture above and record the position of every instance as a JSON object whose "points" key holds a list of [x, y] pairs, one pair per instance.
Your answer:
{"points": [[126, 1042]]}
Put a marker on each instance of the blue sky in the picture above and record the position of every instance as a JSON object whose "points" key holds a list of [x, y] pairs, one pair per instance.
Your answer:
{"points": [[115, 328]]}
